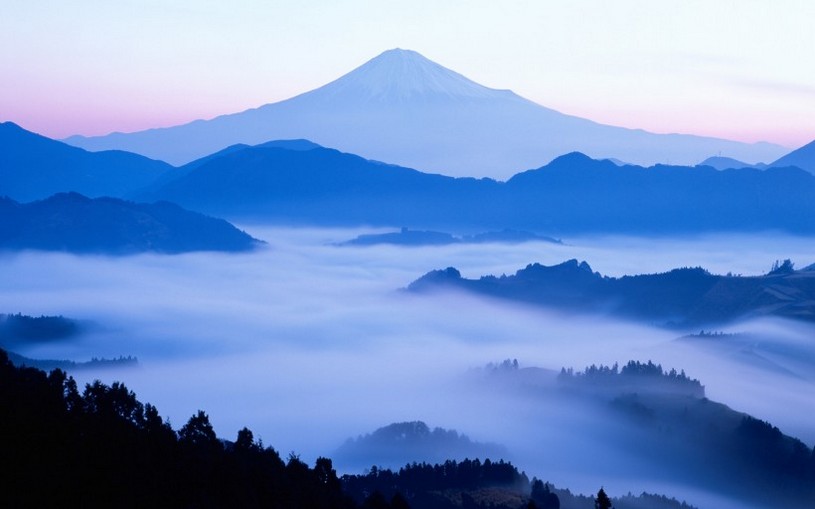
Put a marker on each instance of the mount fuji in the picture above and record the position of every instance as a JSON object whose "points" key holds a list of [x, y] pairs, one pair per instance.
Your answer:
{"points": [[402, 108]]}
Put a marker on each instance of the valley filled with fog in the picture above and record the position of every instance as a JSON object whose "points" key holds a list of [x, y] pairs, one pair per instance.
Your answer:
{"points": [[308, 343]]}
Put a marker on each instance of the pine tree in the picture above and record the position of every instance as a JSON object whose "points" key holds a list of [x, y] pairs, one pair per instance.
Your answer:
{"points": [[602, 501]]}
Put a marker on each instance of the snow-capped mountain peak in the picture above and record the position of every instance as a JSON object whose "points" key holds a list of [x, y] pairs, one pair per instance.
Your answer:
{"points": [[399, 75]]}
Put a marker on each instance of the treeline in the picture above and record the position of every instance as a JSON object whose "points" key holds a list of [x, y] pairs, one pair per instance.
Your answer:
{"points": [[19, 327], [402, 442], [103, 448], [472, 484], [421, 478], [634, 372], [95, 363]]}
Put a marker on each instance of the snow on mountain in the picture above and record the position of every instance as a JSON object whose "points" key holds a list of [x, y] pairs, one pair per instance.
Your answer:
{"points": [[399, 75], [404, 109]]}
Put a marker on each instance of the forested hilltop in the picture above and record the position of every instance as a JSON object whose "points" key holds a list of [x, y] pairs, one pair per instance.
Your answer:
{"points": [[73, 223], [101, 447], [641, 411], [683, 297]]}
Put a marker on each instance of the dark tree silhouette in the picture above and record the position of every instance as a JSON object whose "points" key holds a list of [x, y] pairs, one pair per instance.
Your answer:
{"points": [[542, 496], [104, 448], [198, 431], [245, 440], [399, 502], [375, 501], [602, 501], [785, 267]]}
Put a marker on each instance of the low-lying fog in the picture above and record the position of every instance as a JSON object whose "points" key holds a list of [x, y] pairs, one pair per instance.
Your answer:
{"points": [[307, 343]]}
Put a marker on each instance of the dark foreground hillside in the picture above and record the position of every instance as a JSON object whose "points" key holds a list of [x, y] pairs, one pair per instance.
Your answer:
{"points": [[101, 447]]}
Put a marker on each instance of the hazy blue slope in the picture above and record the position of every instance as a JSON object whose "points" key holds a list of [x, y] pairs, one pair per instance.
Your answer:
{"points": [[74, 223], [573, 193], [322, 186], [34, 167], [803, 158]]}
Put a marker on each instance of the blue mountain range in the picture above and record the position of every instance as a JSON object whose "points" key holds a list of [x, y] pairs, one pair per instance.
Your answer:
{"points": [[300, 182]]}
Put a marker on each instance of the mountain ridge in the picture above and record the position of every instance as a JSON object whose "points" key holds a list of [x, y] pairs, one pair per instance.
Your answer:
{"points": [[803, 157], [682, 297], [297, 181], [71, 222], [573, 193], [34, 167]]}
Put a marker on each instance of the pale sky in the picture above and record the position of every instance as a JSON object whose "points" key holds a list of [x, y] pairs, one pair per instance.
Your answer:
{"points": [[742, 70]]}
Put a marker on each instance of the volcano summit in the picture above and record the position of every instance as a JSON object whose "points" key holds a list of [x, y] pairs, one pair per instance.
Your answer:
{"points": [[402, 108]]}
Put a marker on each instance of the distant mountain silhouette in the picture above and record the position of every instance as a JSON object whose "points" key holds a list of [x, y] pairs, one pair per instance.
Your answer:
{"points": [[33, 167], [401, 443], [573, 193], [404, 237], [319, 186], [507, 236], [803, 158], [300, 182], [409, 110], [283, 144], [726, 163], [682, 297], [73, 223], [178, 173], [577, 193], [408, 237]]}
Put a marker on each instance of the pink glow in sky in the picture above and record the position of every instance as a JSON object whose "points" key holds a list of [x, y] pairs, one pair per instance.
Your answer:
{"points": [[738, 70]]}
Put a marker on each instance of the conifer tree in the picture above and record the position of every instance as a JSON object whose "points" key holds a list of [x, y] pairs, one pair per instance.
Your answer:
{"points": [[602, 501]]}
